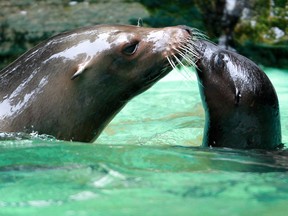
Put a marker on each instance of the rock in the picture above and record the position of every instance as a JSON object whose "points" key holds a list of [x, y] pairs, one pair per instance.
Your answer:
{"points": [[255, 28], [23, 24]]}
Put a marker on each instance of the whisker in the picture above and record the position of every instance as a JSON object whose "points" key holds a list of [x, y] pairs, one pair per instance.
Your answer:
{"points": [[186, 57], [171, 62], [4, 74], [199, 34], [191, 52], [188, 75], [188, 48]]}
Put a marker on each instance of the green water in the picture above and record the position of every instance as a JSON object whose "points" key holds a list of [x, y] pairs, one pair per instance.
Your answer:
{"points": [[146, 162]]}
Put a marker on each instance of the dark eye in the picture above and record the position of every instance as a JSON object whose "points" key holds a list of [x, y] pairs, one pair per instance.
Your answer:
{"points": [[219, 60], [130, 49]]}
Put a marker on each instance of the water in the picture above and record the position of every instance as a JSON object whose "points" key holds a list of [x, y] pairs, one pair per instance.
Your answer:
{"points": [[146, 162]]}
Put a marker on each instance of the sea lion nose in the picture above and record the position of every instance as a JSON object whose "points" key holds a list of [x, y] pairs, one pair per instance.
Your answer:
{"points": [[187, 29]]}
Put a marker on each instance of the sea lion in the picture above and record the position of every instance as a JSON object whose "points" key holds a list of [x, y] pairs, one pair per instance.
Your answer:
{"points": [[240, 102], [73, 84]]}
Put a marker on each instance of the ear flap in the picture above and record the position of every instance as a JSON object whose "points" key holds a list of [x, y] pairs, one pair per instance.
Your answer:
{"points": [[80, 70], [77, 73], [237, 96], [140, 22]]}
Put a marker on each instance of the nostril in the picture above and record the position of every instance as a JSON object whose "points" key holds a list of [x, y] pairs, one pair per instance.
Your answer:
{"points": [[187, 28]]}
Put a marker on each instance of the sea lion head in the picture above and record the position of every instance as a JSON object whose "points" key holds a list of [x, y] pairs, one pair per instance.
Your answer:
{"points": [[240, 103], [73, 84], [130, 57]]}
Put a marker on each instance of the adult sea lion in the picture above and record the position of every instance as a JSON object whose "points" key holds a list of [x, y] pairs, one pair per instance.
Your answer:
{"points": [[240, 103], [73, 84]]}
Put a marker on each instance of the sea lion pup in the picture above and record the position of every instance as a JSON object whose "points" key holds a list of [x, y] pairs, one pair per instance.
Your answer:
{"points": [[73, 84], [240, 102]]}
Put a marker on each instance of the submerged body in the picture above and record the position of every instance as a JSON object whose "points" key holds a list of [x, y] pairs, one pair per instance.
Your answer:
{"points": [[240, 103], [73, 84]]}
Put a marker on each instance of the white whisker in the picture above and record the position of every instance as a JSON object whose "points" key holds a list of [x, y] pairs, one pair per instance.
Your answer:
{"points": [[187, 58], [186, 55], [197, 34], [172, 63], [187, 74], [189, 48]]}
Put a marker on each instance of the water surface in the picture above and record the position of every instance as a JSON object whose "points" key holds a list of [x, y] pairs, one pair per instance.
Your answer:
{"points": [[147, 162]]}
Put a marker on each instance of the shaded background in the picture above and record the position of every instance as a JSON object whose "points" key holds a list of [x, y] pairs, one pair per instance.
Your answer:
{"points": [[255, 28]]}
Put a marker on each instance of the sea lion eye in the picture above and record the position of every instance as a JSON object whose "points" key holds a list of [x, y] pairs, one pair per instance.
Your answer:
{"points": [[219, 60], [131, 48]]}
